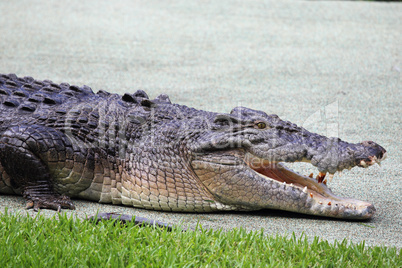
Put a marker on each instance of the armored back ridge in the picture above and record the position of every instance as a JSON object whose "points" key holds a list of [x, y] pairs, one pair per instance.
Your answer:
{"points": [[59, 142]]}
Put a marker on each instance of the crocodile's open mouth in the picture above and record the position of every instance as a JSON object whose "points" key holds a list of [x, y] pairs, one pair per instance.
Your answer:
{"points": [[315, 188], [241, 178]]}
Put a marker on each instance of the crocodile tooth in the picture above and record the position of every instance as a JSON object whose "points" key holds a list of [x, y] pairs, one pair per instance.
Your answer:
{"points": [[373, 160], [379, 163], [305, 189], [311, 175], [330, 177], [291, 184], [320, 177]]}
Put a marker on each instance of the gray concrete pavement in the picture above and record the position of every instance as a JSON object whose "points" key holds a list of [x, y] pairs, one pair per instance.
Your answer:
{"points": [[333, 67]]}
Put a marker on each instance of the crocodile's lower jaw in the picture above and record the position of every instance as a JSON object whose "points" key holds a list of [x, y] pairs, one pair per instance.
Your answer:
{"points": [[320, 199]]}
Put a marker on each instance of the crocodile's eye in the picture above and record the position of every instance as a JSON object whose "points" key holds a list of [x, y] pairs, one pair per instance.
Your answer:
{"points": [[261, 125]]}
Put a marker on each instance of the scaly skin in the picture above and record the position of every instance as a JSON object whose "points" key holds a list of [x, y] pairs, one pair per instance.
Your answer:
{"points": [[62, 141]]}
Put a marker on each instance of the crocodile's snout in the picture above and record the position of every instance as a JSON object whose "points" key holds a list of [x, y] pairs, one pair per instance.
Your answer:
{"points": [[375, 154]]}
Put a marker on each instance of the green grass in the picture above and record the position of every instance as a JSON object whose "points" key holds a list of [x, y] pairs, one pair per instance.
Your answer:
{"points": [[68, 242]]}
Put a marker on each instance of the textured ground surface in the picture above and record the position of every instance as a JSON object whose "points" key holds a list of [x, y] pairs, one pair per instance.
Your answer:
{"points": [[333, 67]]}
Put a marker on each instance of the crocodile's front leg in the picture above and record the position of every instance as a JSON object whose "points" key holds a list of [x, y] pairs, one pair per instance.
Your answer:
{"points": [[25, 154]]}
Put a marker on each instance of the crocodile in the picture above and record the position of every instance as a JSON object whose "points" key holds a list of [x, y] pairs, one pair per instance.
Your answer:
{"points": [[60, 142]]}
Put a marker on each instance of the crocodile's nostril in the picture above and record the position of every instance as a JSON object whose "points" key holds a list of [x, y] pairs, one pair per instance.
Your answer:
{"points": [[379, 151], [382, 154]]}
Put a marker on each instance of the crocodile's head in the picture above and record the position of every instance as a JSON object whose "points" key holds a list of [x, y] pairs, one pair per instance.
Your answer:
{"points": [[239, 162]]}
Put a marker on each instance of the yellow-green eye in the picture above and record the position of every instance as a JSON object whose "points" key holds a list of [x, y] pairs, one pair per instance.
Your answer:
{"points": [[261, 125]]}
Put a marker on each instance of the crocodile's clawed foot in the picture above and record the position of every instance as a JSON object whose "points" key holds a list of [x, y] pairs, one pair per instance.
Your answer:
{"points": [[51, 202]]}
